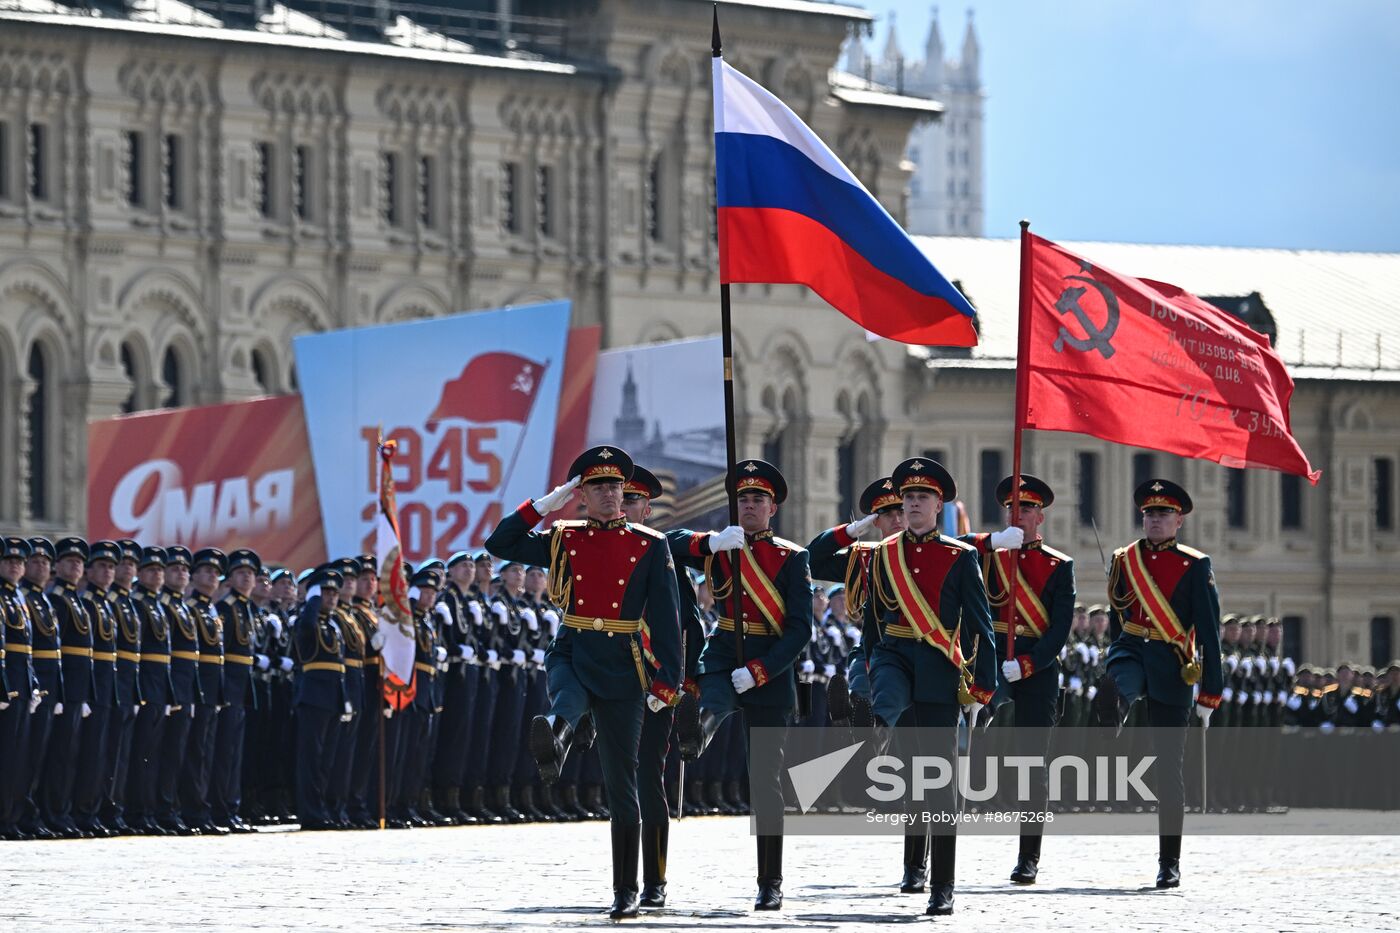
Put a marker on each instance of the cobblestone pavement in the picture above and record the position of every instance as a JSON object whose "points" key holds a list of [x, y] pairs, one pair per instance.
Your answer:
{"points": [[557, 877]]}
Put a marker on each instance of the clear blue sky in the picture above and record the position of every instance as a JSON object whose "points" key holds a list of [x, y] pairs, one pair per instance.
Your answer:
{"points": [[1223, 122]]}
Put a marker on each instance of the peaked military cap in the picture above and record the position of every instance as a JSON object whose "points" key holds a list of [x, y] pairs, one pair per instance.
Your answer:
{"points": [[42, 547], [879, 496], [427, 576], [758, 476], [923, 473], [105, 550], [483, 555], [211, 556], [1162, 494], [281, 572], [643, 484], [178, 554], [461, 557], [15, 547], [243, 557], [836, 589], [602, 465], [327, 577], [72, 547], [369, 564], [152, 557], [347, 567], [130, 550], [1034, 491]]}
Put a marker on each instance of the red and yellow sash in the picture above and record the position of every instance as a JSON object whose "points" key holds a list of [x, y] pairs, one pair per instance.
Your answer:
{"points": [[1156, 610], [1028, 605], [761, 591], [914, 607]]}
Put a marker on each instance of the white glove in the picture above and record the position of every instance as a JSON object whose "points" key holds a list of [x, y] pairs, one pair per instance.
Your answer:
{"points": [[376, 641], [1268, 698], [808, 666], [191, 709], [1273, 665], [474, 608], [552, 618], [443, 613], [1248, 665], [1258, 697], [135, 709], [34, 701], [4, 705], [1094, 654], [168, 709], [346, 717], [1076, 684], [500, 611], [517, 657], [1350, 704], [493, 659], [1011, 670], [829, 671], [857, 528], [557, 497], [853, 634], [728, 539], [655, 703], [1092, 692], [1204, 713], [532, 621], [285, 664], [538, 656], [1288, 666], [58, 709], [275, 622], [1294, 702], [87, 711], [1082, 650], [833, 632], [971, 710], [1230, 664], [440, 653], [1227, 694], [1009, 537], [1242, 698], [1377, 725], [388, 712], [349, 710], [742, 679], [263, 661], [467, 652]]}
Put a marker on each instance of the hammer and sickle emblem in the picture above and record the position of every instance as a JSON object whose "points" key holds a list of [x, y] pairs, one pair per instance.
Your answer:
{"points": [[1068, 303]]}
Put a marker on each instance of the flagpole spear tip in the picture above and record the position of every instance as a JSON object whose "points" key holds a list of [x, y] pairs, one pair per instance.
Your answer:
{"points": [[1025, 224], [715, 46]]}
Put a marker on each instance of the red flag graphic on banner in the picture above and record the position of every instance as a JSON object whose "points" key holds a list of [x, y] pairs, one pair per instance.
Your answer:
{"points": [[1147, 364], [492, 387]]}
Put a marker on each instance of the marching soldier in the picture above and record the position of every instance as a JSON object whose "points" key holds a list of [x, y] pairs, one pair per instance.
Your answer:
{"points": [[157, 694], [97, 748], [236, 613], [48, 667], [185, 688], [55, 792], [607, 574], [208, 566], [1164, 600], [320, 700], [128, 683], [775, 623], [1044, 607], [929, 635], [22, 693], [637, 493]]}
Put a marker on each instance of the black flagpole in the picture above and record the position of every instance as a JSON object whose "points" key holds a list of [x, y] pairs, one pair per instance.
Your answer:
{"points": [[736, 601]]}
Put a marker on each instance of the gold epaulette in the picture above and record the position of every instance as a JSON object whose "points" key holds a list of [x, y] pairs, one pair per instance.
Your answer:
{"points": [[1329, 688], [790, 545], [1301, 691], [1192, 552], [645, 530], [1058, 555]]}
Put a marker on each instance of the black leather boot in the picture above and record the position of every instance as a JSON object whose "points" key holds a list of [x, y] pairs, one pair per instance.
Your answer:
{"points": [[655, 840], [695, 727], [940, 900], [569, 804], [1169, 861], [862, 716], [838, 700], [1027, 861], [548, 804], [715, 802], [477, 807], [694, 805], [915, 864], [770, 873], [525, 803], [550, 737], [734, 796], [593, 800], [626, 841], [501, 801], [942, 864]]}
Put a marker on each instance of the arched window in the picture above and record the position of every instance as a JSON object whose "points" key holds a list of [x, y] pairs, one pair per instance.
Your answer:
{"points": [[262, 371], [41, 403], [137, 370], [172, 372]]}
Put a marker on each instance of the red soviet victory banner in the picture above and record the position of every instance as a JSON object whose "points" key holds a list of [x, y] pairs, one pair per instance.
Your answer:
{"points": [[1147, 364], [492, 387]]}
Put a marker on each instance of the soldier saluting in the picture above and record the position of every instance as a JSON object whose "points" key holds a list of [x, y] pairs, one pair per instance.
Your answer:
{"points": [[607, 574], [1163, 598]]}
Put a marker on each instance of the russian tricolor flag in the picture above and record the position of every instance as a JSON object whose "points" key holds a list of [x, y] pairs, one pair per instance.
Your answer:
{"points": [[790, 212]]}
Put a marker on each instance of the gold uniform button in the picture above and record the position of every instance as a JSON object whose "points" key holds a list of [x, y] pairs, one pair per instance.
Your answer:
{"points": [[578, 576], [621, 582], [597, 625], [634, 560], [614, 605]]}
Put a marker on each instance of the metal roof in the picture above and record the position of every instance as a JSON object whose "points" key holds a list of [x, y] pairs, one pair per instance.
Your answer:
{"points": [[1334, 311]]}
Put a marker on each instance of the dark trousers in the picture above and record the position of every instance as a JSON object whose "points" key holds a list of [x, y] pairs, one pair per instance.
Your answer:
{"points": [[95, 759], [526, 772], [54, 795], [226, 775], [506, 731], [1166, 740], [651, 757], [618, 724], [174, 751], [40, 730], [124, 731], [14, 754], [717, 695], [416, 757], [364, 769], [142, 789], [197, 768], [339, 777], [479, 752], [454, 730], [397, 737], [317, 735]]}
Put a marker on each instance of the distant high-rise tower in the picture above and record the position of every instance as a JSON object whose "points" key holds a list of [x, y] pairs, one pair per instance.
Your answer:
{"points": [[946, 190]]}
